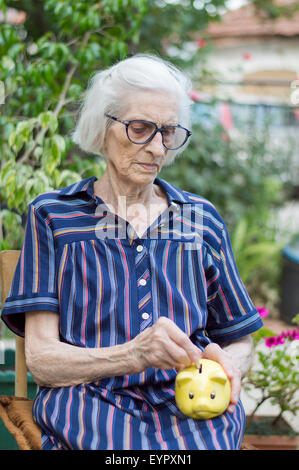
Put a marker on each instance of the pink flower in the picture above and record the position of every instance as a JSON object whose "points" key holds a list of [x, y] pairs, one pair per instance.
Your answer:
{"points": [[201, 42], [263, 311], [291, 334], [279, 339], [247, 56], [271, 341], [295, 333]]}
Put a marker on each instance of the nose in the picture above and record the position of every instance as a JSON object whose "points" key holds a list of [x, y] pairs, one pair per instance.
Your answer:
{"points": [[202, 404], [156, 145]]}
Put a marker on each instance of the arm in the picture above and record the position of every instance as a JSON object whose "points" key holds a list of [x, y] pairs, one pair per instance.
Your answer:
{"points": [[241, 353], [53, 363]]}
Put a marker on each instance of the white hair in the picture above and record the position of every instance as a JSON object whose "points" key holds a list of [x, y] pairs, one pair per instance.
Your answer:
{"points": [[108, 89]]}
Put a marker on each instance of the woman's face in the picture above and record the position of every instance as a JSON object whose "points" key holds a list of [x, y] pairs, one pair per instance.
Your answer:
{"points": [[140, 164]]}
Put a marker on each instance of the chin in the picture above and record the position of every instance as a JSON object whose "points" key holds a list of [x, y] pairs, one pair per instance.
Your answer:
{"points": [[144, 178]]}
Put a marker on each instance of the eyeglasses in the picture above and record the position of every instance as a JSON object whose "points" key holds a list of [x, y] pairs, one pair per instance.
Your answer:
{"points": [[141, 132]]}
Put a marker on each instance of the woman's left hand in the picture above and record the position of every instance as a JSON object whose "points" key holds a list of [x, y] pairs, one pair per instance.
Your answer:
{"points": [[215, 353]]}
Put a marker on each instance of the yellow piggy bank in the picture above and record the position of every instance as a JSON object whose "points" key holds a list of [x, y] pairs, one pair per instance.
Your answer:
{"points": [[202, 391]]}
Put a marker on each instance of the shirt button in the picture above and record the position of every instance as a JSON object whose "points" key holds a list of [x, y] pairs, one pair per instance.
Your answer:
{"points": [[145, 316], [142, 282], [139, 248]]}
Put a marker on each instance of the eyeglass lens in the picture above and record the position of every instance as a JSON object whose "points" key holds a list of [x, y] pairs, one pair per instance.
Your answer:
{"points": [[173, 136]]}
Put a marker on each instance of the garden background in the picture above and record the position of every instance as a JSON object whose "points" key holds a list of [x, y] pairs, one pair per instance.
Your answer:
{"points": [[48, 51]]}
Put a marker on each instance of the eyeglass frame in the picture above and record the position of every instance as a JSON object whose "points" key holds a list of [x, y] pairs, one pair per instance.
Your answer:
{"points": [[158, 129]]}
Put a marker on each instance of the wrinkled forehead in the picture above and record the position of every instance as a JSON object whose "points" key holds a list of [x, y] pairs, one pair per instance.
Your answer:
{"points": [[158, 106]]}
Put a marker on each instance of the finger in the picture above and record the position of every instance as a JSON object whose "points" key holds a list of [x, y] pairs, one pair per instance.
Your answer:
{"points": [[187, 353], [215, 353], [235, 391], [166, 354], [184, 342], [231, 408], [235, 386], [178, 355]]}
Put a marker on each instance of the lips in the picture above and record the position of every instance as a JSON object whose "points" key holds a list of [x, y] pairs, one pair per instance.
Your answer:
{"points": [[149, 166]]}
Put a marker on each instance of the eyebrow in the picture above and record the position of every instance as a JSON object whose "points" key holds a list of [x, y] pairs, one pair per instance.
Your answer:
{"points": [[172, 123]]}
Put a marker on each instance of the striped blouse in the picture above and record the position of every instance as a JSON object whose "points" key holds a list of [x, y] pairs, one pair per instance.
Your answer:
{"points": [[108, 285]]}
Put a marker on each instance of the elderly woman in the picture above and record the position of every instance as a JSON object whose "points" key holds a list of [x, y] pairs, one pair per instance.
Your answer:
{"points": [[125, 279]]}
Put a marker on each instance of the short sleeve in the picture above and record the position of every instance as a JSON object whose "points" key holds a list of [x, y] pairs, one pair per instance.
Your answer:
{"points": [[34, 283], [231, 313]]}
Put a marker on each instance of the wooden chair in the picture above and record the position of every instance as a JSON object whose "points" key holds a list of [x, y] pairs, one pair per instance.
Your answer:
{"points": [[16, 411]]}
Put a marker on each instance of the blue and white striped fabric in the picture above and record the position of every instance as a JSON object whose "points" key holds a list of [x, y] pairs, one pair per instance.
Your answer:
{"points": [[108, 285]]}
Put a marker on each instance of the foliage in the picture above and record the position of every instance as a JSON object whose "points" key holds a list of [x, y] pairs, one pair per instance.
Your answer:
{"points": [[45, 66], [276, 9], [171, 26], [242, 178], [276, 373], [43, 78], [240, 175], [253, 248], [172, 29]]}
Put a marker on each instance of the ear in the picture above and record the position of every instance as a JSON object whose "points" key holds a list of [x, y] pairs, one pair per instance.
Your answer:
{"points": [[183, 378], [219, 377]]}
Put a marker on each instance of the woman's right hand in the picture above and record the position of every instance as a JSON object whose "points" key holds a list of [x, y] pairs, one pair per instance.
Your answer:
{"points": [[163, 346]]}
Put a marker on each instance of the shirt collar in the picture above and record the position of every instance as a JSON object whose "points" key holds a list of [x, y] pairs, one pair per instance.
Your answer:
{"points": [[85, 185], [174, 194]]}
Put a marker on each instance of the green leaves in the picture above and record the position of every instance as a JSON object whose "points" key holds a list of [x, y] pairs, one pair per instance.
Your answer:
{"points": [[21, 135], [13, 178], [47, 147], [243, 178], [44, 71], [53, 150], [48, 121], [253, 249], [275, 374]]}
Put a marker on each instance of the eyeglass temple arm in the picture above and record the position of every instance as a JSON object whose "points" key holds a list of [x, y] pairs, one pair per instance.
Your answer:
{"points": [[111, 117], [115, 118]]}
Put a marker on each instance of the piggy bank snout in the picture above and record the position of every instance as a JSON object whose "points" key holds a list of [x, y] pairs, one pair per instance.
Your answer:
{"points": [[201, 404], [203, 398]]}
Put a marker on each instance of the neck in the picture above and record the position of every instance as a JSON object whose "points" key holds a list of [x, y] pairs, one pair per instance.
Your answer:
{"points": [[118, 193]]}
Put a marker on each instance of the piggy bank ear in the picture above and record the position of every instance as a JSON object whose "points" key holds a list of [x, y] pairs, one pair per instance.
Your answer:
{"points": [[183, 378], [219, 377]]}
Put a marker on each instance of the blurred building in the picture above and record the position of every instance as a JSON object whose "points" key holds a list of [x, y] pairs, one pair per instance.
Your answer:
{"points": [[255, 61]]}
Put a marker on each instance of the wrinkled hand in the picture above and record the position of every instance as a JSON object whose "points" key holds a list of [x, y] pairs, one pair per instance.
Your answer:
{"points": [[166, 346], [215, 353], [163, 346]]}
